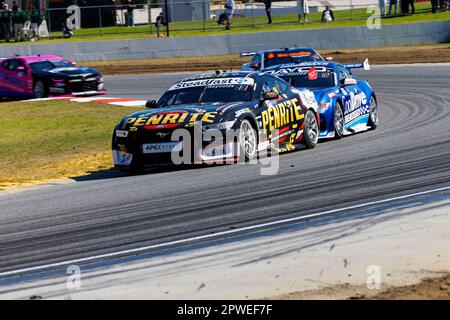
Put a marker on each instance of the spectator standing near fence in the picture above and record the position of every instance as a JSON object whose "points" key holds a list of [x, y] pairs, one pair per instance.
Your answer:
{"points": [[18, 19], [268, 4], [405, 6], [434, 5], [393, 3], [229, 10], [160, 21], [327, 15], [382, 5], [67, 32], [129, 14], [303, 10], [5, 21], [411, 4], [35, 20]]}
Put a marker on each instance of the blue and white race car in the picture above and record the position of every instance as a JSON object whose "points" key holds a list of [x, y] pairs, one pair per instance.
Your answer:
{"points": [[346, 104]]}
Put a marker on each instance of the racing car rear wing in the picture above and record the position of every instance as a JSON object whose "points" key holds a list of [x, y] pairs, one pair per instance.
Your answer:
{"points": [[364, 65], [248, 54]]}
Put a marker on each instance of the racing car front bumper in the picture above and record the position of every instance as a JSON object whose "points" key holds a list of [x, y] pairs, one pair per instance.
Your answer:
{"points": [[132, 147]]}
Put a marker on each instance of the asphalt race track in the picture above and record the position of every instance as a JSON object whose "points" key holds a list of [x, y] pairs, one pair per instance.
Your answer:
{"points": [[106, 213]]}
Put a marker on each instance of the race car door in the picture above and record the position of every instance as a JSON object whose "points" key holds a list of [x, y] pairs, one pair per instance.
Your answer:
{"points": [[279, 117], [3, 88], [350, 96], [291, 131], [14, 78], [5, 85]]}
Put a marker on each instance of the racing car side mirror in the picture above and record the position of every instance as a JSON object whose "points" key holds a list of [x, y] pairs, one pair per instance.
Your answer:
{"points": [[150, 104], [255, 65], [349, 82], [328, 58], [270, 95]]}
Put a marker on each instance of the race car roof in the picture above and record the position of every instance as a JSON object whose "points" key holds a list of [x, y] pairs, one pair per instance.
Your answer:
{"points": [[293, 69], [289, 50], [238, 74], [326, 64], [279, 50], [37, 58]]}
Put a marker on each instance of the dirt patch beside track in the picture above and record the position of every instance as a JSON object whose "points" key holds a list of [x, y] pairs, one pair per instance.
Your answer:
{"points": [[388, 55], [427, 289]]}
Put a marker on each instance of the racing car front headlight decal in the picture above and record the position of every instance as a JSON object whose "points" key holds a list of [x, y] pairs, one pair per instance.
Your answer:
{"points": [[121, 133]]}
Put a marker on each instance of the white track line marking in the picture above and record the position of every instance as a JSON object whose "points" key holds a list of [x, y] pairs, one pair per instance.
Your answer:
{"points": [[91, 99], [100, 99], [38, 99], [210, 236], [137, 103]]}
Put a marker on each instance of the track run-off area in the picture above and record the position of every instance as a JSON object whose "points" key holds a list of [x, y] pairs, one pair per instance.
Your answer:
{"points": [[106, 216]]}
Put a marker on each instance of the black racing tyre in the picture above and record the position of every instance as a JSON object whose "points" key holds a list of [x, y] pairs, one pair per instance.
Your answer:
{"points": [[39, 90], [338, 121], [310, 131], [247, 141], [373, 114]]}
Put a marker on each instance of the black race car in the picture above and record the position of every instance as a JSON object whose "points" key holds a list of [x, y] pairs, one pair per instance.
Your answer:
{"points": [[47, 75], [211, 117]]}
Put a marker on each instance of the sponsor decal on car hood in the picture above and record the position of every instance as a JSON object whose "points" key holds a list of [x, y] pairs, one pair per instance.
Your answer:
{"points": [[181, 116]]}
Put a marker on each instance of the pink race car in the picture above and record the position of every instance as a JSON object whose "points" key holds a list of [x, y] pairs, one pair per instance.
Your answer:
{"points": [[47, 75]]}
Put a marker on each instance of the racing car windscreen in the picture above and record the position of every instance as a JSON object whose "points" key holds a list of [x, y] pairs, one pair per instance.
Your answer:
{"points": [[192, 92], [287, 57], [323, 80], [37, 67]]}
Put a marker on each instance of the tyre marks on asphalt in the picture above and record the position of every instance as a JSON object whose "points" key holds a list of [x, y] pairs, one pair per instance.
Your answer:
{"points": [[409, 152]]}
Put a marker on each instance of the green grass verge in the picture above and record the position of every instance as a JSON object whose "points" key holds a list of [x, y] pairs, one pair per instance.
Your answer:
{"points": [[344, 18], [55, 139]]}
